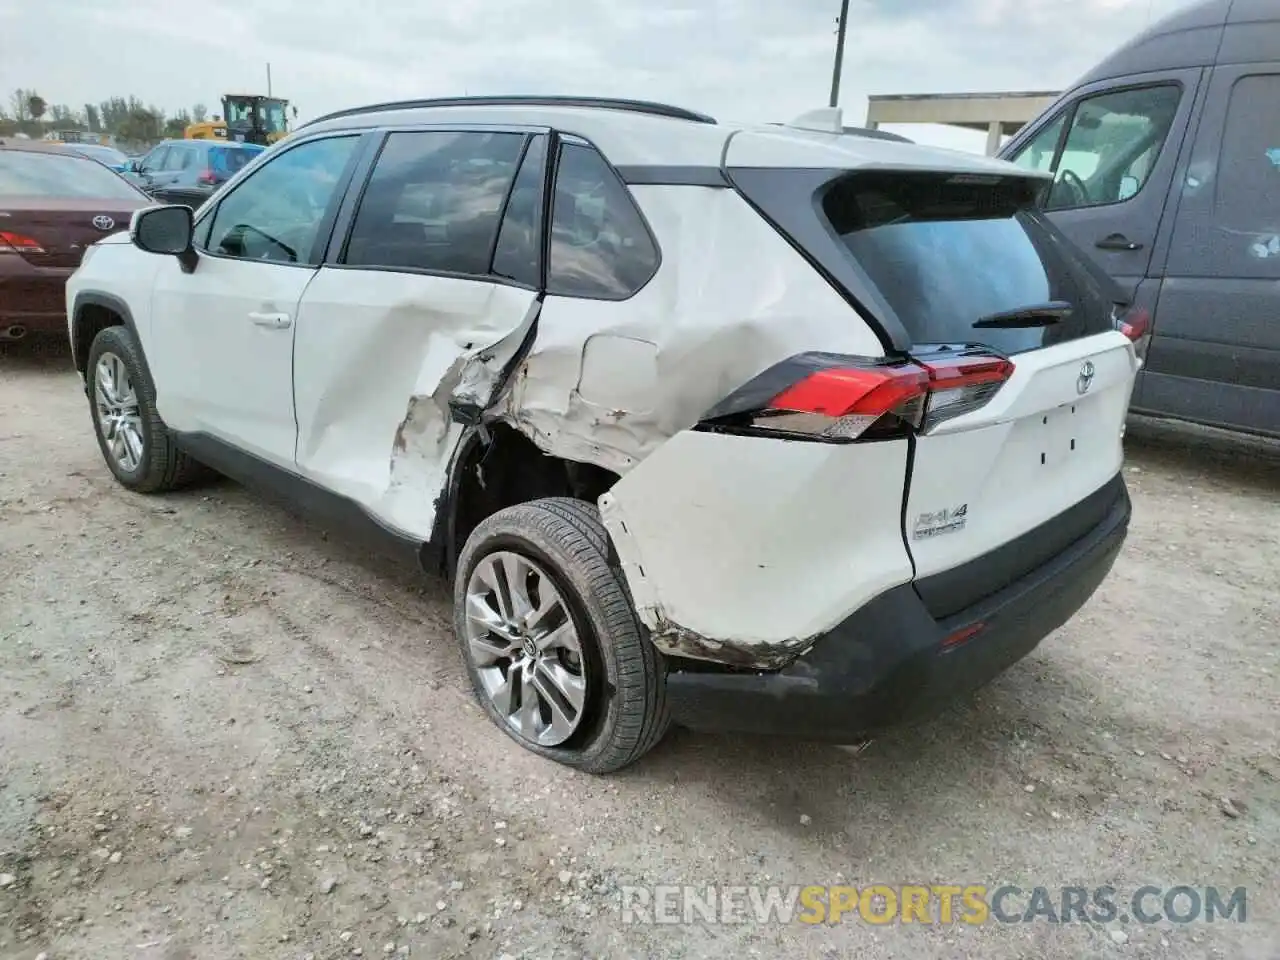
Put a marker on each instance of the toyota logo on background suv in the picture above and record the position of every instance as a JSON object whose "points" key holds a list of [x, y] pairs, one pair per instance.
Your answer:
{"points": [[1086, 377], [103, 222]]}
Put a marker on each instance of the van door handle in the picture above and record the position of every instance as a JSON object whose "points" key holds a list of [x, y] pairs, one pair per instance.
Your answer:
{"points": [[275, 321], [1117, 241]]}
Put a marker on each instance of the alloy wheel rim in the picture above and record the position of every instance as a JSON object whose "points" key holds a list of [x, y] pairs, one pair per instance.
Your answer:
{"points": [[525, 648], [116, 403]]}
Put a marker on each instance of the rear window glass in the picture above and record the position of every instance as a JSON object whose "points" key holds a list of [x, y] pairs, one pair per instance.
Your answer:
{"points": [[231, 160], [39, 174], [945, 251]]}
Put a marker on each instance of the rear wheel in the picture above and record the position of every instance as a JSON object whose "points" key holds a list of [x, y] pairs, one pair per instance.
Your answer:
{"points": [[551, 642], [133, 439]]}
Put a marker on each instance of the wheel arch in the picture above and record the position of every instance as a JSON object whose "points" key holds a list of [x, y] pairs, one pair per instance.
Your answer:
{"points": [[93, 312], [514, 470]]}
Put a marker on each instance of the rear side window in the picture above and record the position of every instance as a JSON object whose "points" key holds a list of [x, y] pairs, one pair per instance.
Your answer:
{"points": [[946, 251], [434, 201], [517, 255], [600, 246], [227, 160]]}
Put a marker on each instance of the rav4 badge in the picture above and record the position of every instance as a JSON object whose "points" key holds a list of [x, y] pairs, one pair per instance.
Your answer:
{"points": [[940, 522]]}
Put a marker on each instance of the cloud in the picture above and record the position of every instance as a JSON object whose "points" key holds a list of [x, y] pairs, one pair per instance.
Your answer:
{"points": [[750, 59]]}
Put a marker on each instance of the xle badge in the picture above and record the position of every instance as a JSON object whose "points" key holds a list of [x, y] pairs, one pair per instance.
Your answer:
{"points": [[940, 522]]}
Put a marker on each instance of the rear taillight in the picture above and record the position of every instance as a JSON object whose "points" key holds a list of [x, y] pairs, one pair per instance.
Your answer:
{"points": [[1135, 323], [841, 399], [961, 384], [18, 243], [207, 177]]}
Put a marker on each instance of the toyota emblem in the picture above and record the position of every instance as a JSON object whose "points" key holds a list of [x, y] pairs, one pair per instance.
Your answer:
{"points": [[103, 222], [1085, 379]]}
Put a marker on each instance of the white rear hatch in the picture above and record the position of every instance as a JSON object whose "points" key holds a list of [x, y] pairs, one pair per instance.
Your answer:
{"points": [[1030, 375]]}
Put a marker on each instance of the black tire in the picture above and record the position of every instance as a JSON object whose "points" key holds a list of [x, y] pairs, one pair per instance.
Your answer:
{"points": [[162, 466], [625, 714]]}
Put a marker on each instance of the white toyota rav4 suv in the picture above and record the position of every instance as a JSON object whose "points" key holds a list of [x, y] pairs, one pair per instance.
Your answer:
{"points": [[769, 429]]}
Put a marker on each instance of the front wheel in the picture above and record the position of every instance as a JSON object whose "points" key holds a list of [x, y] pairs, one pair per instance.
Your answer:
{"points": [[122, 400], [551, 642]]}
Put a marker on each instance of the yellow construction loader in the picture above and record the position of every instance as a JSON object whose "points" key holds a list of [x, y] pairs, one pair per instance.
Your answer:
{"points": [[247, 118]]}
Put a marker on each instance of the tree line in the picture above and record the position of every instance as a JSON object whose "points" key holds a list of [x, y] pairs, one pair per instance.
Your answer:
{"points": [[127, 119]]}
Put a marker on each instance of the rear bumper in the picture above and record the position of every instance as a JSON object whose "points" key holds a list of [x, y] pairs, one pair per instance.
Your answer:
{"points": [[33, 297], [886, 664]]}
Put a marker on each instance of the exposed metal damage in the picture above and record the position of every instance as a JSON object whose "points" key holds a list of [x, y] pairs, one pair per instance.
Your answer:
{"points": [[677, 641]]}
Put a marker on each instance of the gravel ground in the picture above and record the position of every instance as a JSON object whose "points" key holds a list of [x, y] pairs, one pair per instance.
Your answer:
{"points": [[224, 733]]}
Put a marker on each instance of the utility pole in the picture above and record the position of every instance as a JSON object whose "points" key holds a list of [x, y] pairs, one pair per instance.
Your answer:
{"points": [[268, 79], [835, 73]]}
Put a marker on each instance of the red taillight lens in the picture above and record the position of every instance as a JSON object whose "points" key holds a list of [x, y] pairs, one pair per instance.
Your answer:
{"points": [[1135, 324], [18, 243], [961, 384], [848, 398], [207, 177]]}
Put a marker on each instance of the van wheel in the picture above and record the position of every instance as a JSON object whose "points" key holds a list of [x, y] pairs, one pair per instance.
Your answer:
{"points": [[551, 641], [122, 401]]}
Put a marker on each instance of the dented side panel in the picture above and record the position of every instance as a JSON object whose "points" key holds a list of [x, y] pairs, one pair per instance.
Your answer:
{"points": [[610, 382], [744, 550], [378, 358]]}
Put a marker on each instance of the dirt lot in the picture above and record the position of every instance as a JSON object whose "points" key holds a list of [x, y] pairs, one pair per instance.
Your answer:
{"points": [[226, 734]]}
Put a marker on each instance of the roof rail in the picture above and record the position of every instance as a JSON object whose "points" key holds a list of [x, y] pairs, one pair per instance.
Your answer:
{"points": [[520, 100]]}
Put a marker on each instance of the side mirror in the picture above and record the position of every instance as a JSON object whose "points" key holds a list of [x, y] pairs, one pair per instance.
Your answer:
{"points": [[167, 231]]}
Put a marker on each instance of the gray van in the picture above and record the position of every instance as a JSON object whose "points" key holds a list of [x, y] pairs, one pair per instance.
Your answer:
{"points": [[1167, 167]]}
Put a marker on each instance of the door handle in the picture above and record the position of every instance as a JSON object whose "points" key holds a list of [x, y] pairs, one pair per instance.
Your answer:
{"points": [[273, 321], [1117, 241]]}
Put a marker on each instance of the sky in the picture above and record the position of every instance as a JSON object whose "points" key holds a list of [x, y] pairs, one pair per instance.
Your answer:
{"points": [[766, 60]]}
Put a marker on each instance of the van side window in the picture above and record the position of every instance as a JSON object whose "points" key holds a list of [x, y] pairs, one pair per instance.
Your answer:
{"points": [[1247, 201], [434, 200], [1111, 146], [600, 246]]}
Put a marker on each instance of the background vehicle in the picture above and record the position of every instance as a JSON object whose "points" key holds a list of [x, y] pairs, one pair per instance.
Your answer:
{"points": [[188, 172], [54, 203], [246, 118], [767, 429], [1166, 159], [108, 156]]}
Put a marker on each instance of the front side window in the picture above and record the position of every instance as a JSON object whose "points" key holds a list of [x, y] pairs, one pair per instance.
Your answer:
{"points": [[433, 201], [1110, 148], [276, 213], [600, 245], [154, 160]]}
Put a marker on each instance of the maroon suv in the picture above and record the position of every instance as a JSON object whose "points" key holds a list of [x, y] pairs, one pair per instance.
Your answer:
{"points": [[53, 204]]}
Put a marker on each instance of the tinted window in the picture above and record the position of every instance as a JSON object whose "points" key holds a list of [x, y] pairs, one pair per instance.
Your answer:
{"points": [[434, 200], [517, 253], [600, 246], [32, 174], [1247, 201], [180, 158], [1111, 146], [276, 213], [946, 251]]}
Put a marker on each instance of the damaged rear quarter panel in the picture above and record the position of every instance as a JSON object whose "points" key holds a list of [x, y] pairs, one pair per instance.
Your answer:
{"points": [[736, 550]]}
